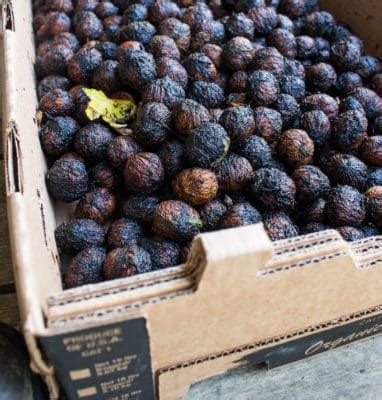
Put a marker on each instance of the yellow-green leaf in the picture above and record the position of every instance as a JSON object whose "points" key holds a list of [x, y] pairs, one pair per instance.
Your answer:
{"points": [[115, 112]]}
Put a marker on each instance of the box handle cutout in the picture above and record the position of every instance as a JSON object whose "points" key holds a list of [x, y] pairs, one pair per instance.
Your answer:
{"points": [[8, 16], [13, 164]]}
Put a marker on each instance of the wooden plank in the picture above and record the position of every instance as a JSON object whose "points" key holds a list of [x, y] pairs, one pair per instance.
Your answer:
{"points": [[6, 273], [353, 372], [9, 313]]}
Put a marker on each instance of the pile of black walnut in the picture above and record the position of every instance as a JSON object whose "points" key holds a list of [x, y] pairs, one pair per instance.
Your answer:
{"points": [[248, 111]]}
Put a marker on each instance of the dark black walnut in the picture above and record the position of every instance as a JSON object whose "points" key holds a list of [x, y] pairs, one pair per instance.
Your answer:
{"points": [[122, 233], [198, 12], [57, 135], [319, 23], [111, 28], [263, 88], [321, 77], [306, 47], [162, 9], [126, 261], [195, 186], [56, 103], [279, 226], [375, 128], [171, 154], [176, 220], [51, 82], [212, 213], [240, 214], [273, 189], [345, 169], [178, 31], [370, 101], [346, 52], [321, 102], [256, 150], [120, 149], [284, 41], [172, 69], [268, 124], [367, 66], [85, 268], [238, 122], [350, 103], [87, 26], [78, 234], [104, 176], [376, 84], [350, 234], [347, 82], [239, 25], [233, 173], [293, 8], [238, 82], [163, 46], [106, 78], [133, 13], [164, 253], [238, 53], [140, 207], [375, 177], [200, 67], [188, 115], [345, 206], [98, 205], [139, 31], [92, 140], [314, 227], [264, 19], [152, 124], [209, 94], [164, 91], [350, 130], [105, 9], [54, 24], [289, 109], [294, 68], [310, 182], [312, 212], [82, 65], [374, 205], [295, 147], [207, 145], [371, 151], [136, 68], [293, 86], [143, 173], [269, 59], [369, 231], [67, 180], [214, 52], [317, 126]]}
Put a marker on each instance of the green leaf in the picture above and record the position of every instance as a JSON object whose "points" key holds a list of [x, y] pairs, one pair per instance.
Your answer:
{"points": [[196, 221], [115, 112]]}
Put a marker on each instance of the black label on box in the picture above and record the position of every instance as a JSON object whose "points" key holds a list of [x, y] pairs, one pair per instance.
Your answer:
{"points": [[316, 343], [110, 362]]}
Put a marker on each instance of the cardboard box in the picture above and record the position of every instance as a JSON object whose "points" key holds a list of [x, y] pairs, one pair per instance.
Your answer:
{"points": [[240, 299]]}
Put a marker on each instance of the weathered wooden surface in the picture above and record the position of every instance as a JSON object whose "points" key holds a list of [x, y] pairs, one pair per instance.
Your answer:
{"points": [[350, 373]]}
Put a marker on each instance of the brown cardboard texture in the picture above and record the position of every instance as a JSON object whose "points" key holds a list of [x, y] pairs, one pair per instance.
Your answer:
{"points": [[237, 296]]}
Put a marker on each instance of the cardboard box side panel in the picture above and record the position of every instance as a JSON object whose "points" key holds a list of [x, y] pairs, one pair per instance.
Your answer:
{"points": [[30, 213], [174, 382], [364, 18], [245, 304]]}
